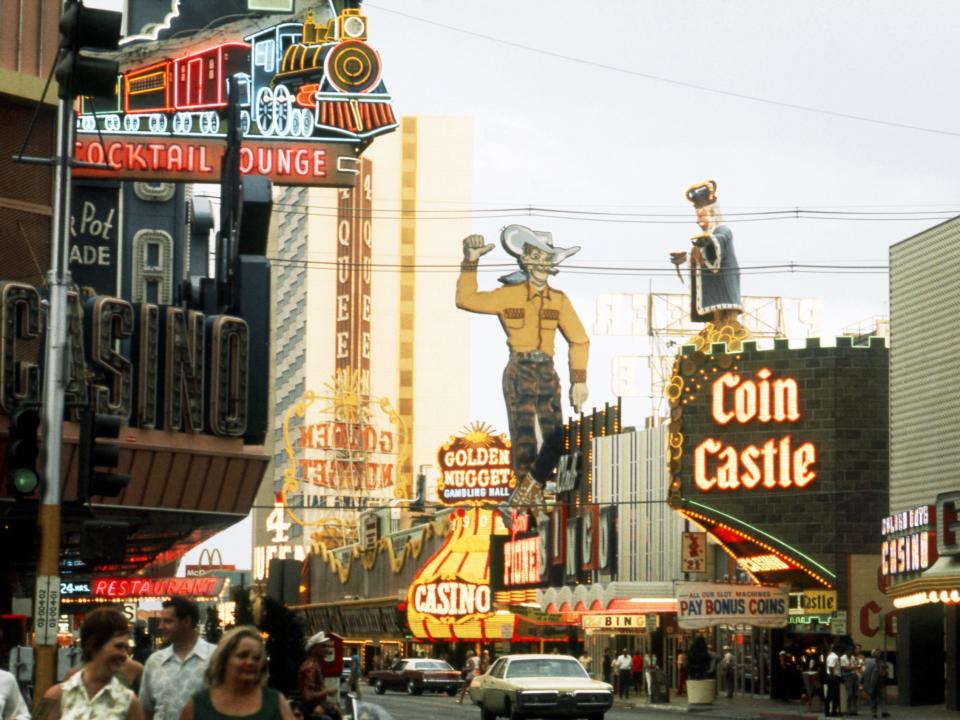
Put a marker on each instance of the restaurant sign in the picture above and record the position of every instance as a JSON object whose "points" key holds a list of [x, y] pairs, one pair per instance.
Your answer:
{"points": [[702, 605], [141, 587]]}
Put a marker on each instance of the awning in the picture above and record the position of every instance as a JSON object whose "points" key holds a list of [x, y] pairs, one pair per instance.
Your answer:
{"points": [[764, 557], [642, 597]]}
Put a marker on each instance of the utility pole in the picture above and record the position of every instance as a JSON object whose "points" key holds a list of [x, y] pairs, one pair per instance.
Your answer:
{"points": [[54, 387], [76, 74]]}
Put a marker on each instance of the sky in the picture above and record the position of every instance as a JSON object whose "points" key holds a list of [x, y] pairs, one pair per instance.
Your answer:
{"points": [[618, 107]]}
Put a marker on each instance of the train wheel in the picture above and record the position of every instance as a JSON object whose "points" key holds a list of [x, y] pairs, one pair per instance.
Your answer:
{"points": [[209, 123], [296, 123], [182, 124], [281, 110], [131, 123], [306, 120], [88, 122], [111, 123], [264, 110], [158, 123], [244, 122]]}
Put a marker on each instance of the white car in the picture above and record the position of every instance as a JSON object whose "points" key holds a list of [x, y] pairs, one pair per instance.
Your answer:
{"points": [[540, 686]]}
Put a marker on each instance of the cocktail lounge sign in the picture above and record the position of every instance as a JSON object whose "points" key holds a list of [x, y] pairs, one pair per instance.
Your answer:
{"points": [[162, 367], [310, 98]]}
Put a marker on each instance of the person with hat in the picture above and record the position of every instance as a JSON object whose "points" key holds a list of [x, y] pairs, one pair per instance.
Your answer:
{"points": [[531, 312], [714, 271], [314, 695]]}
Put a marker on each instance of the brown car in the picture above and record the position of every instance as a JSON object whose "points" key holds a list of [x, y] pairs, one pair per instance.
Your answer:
{"points": [[416, 675]]}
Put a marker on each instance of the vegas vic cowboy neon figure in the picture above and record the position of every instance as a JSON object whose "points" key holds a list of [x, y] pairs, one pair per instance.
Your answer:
{"points": [[531, 312]]}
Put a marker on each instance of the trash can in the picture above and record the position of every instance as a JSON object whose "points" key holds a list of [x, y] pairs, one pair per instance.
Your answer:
{"points": [[659, 692]]}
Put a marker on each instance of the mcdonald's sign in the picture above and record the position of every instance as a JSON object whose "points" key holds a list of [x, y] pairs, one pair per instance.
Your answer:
{"points": [[210, 561]]}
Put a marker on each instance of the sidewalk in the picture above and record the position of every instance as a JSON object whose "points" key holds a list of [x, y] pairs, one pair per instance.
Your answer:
{"points": [[757, 708]]}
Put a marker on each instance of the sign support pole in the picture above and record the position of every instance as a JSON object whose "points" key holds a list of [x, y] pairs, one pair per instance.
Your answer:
{"points": [[54, 388]]}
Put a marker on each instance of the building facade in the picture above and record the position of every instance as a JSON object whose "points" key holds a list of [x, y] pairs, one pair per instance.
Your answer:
{"points": [[373, 361], [921, 563]]}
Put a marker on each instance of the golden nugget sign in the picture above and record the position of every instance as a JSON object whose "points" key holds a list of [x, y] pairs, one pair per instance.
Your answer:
{"points": [[344, 449], [779, 462], [475, 466]]}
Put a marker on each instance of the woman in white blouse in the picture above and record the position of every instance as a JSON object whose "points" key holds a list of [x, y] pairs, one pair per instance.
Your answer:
{"points": [[95, 693]]}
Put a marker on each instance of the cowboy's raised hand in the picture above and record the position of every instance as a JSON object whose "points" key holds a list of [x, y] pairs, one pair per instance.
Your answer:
{"points": [[475, 247]]}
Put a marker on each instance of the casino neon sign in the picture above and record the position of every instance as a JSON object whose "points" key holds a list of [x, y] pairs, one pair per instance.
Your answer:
{"points": [[778, 462], [451, 599]]}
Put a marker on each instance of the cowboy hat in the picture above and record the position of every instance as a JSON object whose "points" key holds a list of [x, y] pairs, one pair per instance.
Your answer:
{"points": [[515, 237], [318, 639]]}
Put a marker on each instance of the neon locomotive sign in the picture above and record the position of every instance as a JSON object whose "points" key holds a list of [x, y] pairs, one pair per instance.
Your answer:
{"points": [[311, 98]]}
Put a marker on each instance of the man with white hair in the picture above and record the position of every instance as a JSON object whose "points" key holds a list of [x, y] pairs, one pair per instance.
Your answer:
{"points": [[530, 312]]}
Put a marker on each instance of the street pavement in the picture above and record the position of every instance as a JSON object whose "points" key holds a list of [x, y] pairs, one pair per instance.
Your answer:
{"points": [[441, 707]]}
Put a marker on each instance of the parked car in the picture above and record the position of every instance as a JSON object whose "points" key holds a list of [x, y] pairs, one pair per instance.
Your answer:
{"points": [[540, 686], [416, 675]]}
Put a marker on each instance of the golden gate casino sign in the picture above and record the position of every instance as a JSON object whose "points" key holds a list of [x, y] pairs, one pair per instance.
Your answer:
{"points": [[780, 461]]}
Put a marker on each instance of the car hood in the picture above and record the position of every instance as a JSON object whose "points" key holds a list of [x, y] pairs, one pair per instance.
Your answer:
{"points": [[555, 683]]}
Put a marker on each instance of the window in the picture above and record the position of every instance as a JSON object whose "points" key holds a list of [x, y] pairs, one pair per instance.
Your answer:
{"points": [[497, 669], [152, 267], [264, 54], [546, 668]]}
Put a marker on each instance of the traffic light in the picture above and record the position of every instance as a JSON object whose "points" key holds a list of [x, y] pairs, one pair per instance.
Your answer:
{"points": [[83, 29], [23, 447], [95, 455]]}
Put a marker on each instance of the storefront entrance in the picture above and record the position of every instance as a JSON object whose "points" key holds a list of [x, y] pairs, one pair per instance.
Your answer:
{"points": [[751, 659]]}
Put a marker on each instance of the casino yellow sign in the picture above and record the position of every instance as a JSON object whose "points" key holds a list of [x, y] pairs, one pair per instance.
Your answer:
{"points": [[450, 597]]}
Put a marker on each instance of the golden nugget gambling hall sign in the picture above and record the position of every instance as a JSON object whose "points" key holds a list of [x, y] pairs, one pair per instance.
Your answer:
{"points": [[475, 466]]}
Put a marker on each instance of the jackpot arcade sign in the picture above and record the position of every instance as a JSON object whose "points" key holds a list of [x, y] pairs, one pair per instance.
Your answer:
{"points": [[766, 448]]}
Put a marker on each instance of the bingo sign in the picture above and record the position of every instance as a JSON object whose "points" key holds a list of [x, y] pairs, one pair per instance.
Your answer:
{"points": [[475, 466], [702, 605]]}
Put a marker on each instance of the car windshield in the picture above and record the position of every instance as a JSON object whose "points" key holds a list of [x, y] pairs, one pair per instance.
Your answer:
{"points": [[545, 668], [433, 665]]}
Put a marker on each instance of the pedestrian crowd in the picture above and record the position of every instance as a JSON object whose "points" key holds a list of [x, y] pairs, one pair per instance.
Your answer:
{"points": [[188, 679]]}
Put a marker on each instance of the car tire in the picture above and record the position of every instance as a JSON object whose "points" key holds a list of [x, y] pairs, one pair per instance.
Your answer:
{"points": [[487, 714], [598, 716], [379, 687], [451, 691], [413, 689]]}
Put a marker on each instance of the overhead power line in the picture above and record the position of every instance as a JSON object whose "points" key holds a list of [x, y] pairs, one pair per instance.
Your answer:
{"points": [[667, 270], [641, 218], [666, 80]]}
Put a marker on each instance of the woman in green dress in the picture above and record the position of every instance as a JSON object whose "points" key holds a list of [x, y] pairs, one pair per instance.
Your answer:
{"points": [[236, 683]]}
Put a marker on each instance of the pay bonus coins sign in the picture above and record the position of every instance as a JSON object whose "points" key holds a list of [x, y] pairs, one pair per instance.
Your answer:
{"points": [[701, 605]]}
